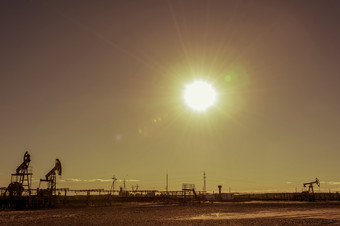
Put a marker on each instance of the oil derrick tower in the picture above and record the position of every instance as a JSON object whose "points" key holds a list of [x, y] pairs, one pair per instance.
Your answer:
{"points": [[51, 178], [21, 180]]}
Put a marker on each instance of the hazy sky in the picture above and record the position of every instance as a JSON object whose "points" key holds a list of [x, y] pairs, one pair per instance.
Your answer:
{"points": [[99, 84]]}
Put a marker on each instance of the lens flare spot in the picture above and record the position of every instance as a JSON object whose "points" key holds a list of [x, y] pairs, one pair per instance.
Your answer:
{"points": [[227, 78]]}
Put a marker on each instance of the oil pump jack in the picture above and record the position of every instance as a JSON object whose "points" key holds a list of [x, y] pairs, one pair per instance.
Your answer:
{"points": [[21, 180], [308, 195], [51, 178], [310, 185]]}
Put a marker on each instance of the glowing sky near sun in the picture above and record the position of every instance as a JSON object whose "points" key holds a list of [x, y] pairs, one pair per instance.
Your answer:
{"points": [[99, 85]]}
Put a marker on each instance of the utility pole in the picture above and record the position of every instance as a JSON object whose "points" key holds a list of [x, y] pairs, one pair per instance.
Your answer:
{"points": [[205, 185], [124, 184], [167, 183]]}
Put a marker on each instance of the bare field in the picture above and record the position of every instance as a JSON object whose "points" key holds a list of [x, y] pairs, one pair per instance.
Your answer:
{"points": [[233, 213]]}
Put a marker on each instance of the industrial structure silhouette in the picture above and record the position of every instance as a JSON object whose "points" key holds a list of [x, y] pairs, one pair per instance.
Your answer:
{"points": [[19, 194]]}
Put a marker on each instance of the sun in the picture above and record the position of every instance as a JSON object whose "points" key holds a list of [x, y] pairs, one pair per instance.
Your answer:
{"points": [[200, 95]]}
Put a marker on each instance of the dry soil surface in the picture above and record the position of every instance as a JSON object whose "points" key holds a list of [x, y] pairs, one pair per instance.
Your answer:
{"points": [[240, 213]]}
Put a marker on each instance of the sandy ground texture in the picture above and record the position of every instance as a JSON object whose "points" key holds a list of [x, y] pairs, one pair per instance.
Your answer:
{"points": [[240, 213]]}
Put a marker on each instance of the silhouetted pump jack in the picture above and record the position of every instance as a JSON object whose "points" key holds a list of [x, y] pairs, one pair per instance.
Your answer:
{"points": [[51, 177], [310, 185], [21, 179]]}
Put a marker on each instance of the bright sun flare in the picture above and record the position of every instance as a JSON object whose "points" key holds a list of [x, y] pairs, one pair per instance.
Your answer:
{"points": [[200, 95]]}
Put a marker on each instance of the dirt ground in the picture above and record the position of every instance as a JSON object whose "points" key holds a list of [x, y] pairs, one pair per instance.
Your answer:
{"points": [[234, 213]]}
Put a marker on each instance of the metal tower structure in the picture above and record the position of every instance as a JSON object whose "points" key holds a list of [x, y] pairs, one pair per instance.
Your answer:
{"points": [[167, 183], [205, 185]]}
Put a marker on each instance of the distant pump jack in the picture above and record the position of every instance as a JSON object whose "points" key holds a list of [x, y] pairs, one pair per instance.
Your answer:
{"points": [[310, 185], [51, 178]]}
